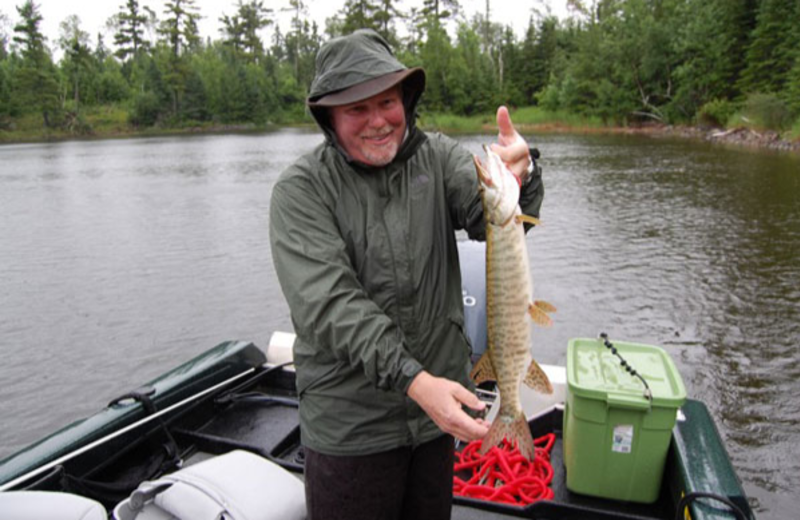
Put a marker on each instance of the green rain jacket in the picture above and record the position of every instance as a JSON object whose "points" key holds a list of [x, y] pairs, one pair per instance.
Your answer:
{"points": [[368, 263]]}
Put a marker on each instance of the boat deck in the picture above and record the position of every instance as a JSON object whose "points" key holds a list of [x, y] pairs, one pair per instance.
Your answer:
{"points": [[257, 411], [266, 422]]}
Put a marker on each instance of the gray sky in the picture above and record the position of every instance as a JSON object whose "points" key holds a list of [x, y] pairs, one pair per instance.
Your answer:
{"points": [[94, 13]]}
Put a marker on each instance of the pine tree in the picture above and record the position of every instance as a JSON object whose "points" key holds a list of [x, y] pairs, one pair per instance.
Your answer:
{"points": [[544, 52], [770, 55], [384, 18], [77, 60], [3, 36], [180, 33], [241, 30], [359, 14], [29, 36], [180, 27], [35, 84], [130, 23]]}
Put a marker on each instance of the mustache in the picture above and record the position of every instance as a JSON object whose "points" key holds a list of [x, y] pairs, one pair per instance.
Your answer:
{"points": [[387, 129]]}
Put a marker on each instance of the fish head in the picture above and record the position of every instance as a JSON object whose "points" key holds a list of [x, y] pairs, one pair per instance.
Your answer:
{"points": [[498, 186]]}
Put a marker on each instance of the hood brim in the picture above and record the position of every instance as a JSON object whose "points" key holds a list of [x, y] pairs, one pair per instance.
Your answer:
{"points": [[413, 79]]}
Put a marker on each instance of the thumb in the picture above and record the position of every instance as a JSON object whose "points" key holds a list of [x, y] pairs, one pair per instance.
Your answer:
{"points": [[507, 135], [504, 122], [469, 399]]}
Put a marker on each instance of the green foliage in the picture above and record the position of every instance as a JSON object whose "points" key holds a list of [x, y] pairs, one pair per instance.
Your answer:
{"points": [[241, 30], [452, 123], [710, 67], [792, 92], [794, 132], [8, 107], [613, 62], [146, 109], [541, 116], [716, 112], [550, 97], [771, 52], [28, 34], [110, 85], [130, 24], [764, 112]]}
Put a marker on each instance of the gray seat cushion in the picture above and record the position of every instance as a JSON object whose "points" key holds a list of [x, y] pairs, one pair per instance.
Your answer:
{"points": [[236, 486], [48, 505]]}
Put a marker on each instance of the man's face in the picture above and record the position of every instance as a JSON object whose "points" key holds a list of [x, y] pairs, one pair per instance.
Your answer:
{"points": [[371, 131]]}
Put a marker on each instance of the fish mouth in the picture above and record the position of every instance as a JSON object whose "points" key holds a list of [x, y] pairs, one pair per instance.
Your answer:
{"points": [[483, 175]]}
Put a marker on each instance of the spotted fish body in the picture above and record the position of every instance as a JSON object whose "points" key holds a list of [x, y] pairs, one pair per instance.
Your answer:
{"points": [[509, 306]]}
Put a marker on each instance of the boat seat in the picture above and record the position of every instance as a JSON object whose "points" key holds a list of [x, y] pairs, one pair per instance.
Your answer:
{"points": [[49, 505], [238, 485]]}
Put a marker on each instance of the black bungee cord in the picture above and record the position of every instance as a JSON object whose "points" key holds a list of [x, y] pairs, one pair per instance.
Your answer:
{"points": [[648, 394]]}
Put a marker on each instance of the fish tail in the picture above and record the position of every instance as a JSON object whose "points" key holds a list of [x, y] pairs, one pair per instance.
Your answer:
{"points": [[516, 431]]}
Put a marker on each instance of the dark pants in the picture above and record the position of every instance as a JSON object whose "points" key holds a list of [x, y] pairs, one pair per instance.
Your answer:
{"points": [[404, 483]]}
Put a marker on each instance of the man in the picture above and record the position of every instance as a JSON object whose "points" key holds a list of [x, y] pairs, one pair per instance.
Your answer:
{"points": [[362, 235]]}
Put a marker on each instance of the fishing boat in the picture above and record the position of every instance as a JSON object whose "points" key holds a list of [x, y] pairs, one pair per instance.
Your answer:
{"points": [[229, 418]]}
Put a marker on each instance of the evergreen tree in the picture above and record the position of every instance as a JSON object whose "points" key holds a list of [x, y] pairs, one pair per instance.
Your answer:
{"points": [[195, 102], [35, 84], [179, 28], [542, 65], [77, 60], [101, 52], [3, 36], [472, 83], [29, 36], [771, 52], [435, 54], [180, 33], [384, 17], [294, 40], [232, 31], [110, 85], [440, 10], [130, 23], [7, 108], [254, 17], [711, 48], [528, 80], [359, 14], [791, 93], [241, 30]]}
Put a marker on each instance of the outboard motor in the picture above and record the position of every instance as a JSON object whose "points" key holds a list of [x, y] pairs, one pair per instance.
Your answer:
{"points": [[472, 257]]}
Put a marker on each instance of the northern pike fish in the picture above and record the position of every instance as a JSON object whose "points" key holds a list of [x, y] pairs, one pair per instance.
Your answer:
{"points": [[509, 306]]}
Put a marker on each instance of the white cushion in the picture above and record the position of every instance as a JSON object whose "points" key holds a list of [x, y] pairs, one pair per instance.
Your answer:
{"points": [[237, 486], [48, 505]]}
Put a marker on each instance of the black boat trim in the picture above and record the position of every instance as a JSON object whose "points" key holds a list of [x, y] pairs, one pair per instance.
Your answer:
{"points": [[83, 449]]}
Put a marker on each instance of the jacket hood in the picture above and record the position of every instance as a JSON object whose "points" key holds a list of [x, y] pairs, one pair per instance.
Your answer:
{"points": [[356, 61]]}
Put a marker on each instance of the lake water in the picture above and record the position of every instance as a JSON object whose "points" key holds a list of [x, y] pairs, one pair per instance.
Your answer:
{"points": [[122, 258]]}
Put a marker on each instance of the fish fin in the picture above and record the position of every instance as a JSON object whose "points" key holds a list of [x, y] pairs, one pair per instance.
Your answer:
{"points": [[519, 219], [537, 379], [516, 431], [483, 370], [545, 306], [539, 315]]}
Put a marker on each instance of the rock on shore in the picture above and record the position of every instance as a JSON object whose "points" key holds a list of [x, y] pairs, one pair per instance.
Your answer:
{"points": [[736, 136]]}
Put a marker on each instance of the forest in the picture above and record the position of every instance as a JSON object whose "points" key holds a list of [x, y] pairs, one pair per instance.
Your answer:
{"points": [[615, 62]]}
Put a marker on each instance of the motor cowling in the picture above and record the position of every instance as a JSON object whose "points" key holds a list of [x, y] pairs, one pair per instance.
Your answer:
{"points": [[472, 258]]}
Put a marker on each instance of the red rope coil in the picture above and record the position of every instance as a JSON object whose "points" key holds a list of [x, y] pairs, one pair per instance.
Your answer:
{"points": [[503, 475]]}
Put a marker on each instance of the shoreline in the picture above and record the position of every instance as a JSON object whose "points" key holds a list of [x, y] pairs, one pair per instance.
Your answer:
{"points": [[739, 136]]}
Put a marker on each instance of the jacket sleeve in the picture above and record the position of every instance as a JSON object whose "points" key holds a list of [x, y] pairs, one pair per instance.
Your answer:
{"points": [[532, 194], [329, 307]]}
